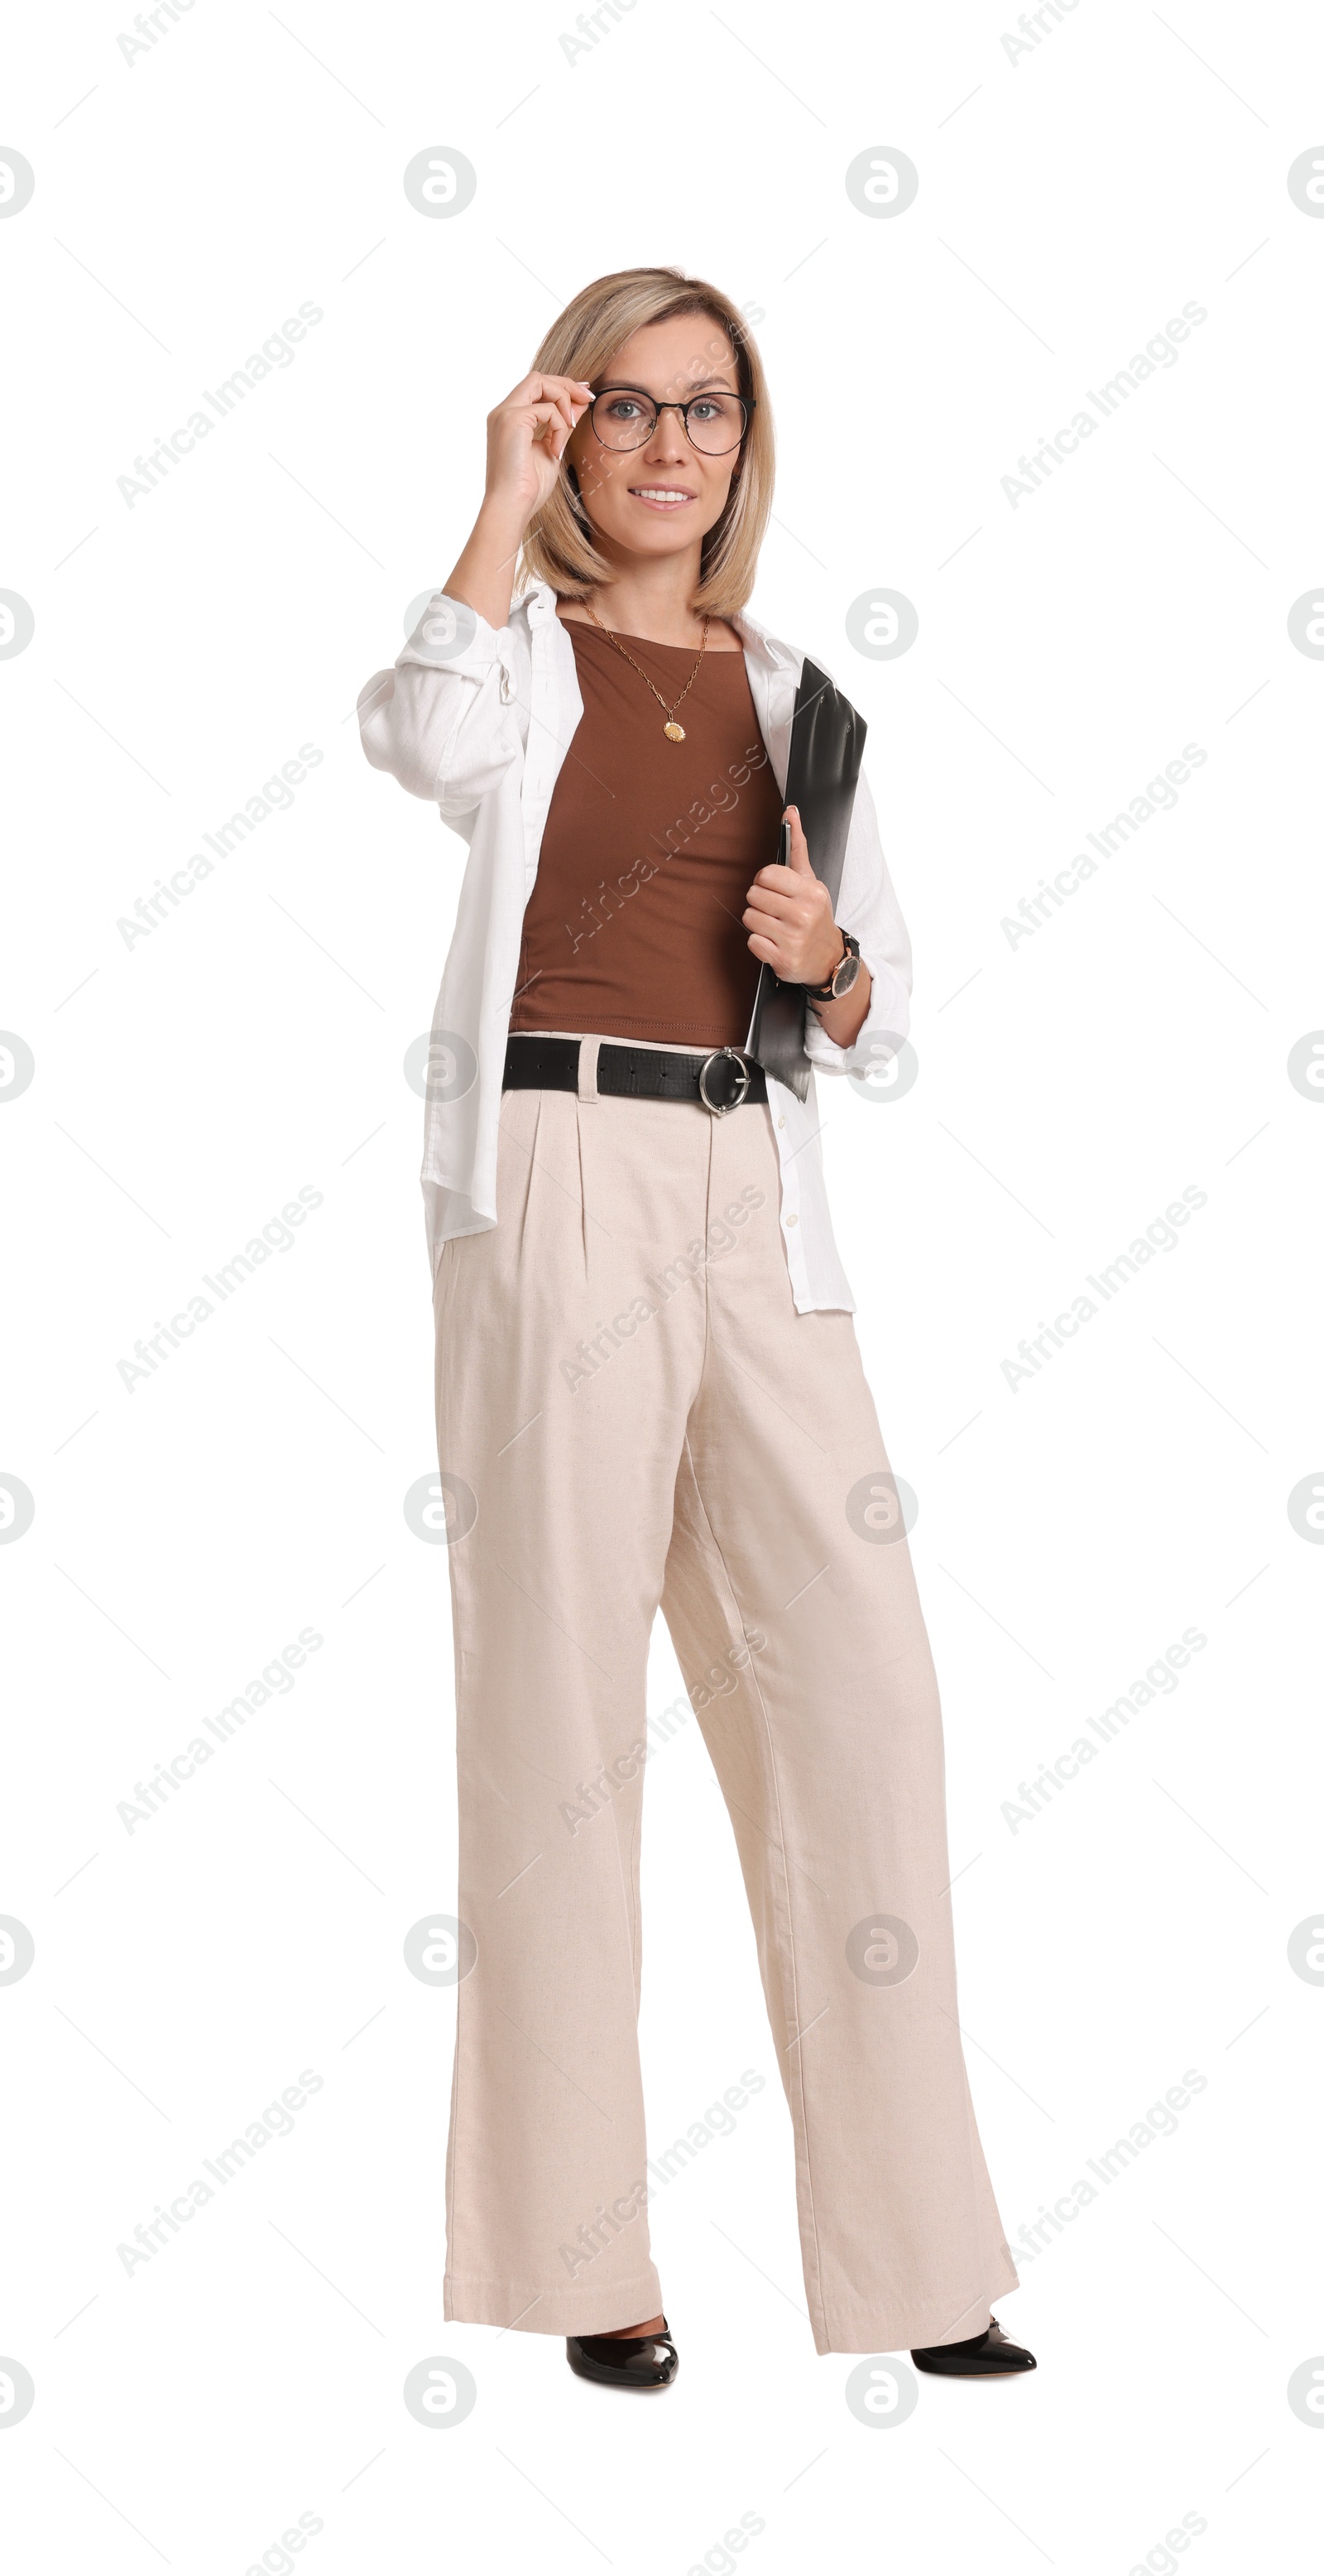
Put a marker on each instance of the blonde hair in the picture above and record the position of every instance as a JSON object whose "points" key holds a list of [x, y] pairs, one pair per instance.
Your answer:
{"points": [[558, 543]]}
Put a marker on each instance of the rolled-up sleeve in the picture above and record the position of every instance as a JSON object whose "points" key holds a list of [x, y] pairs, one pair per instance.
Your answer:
{"points": [[868, 908], [449, 719]]}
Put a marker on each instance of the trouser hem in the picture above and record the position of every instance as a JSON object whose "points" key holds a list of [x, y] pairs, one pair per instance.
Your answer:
{"points": [[584, 2310], [897, 2329]]}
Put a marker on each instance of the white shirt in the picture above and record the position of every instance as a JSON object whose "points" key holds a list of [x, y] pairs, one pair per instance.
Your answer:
{"points": [[481, 731]]}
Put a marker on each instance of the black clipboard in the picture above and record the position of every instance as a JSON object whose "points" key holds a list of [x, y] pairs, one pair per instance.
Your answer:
{"points": [[822, 772]]}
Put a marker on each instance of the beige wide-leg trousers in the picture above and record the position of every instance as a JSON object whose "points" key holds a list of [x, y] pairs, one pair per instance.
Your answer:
{"points": [[631, 1414]]}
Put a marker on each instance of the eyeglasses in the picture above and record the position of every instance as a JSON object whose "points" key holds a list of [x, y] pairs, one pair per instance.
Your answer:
{"points": [[713, 422]]}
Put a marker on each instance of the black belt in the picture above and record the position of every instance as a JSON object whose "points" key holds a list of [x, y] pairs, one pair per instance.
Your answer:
{"points": [[723, 1080]]}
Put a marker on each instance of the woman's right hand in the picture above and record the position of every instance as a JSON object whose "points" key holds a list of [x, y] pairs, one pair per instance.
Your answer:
{"points": [[526, 440]]}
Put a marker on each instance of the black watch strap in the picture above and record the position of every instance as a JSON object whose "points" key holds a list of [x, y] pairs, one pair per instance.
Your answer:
{"points": [[849, 948]]}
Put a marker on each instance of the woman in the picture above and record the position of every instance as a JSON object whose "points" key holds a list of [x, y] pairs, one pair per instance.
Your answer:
{"points": [[648, 1387]]}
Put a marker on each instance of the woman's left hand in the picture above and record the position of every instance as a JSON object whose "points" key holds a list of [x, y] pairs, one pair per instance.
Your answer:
{"points": [[789, 917]]}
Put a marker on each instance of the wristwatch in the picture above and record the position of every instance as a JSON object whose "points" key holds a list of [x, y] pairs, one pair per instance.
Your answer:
{"points": [[845, 974]]}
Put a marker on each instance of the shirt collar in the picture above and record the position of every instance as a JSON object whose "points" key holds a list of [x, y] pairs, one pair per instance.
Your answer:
{"points": [[538, 602], [760, 639]]}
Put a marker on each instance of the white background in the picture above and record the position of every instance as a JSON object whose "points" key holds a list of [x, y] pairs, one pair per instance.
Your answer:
{"points": [[186, 1087]]}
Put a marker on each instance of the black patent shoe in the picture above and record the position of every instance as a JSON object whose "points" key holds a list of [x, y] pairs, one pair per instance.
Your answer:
{"points": [[625, 2361], [985, 2356]]}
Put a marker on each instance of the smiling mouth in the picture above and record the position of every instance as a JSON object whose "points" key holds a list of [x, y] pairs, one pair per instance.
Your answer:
{"points": [[664, 496]]}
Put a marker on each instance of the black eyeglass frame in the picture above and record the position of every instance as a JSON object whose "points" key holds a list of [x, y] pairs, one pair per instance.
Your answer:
{"points": [[748, 403]]}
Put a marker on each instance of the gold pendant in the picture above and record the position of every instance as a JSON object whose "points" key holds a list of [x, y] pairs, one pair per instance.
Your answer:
{"points": [[674, 732]]}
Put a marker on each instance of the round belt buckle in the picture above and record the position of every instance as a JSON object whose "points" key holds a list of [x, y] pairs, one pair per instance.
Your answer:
{"points": [[719, 1108]]}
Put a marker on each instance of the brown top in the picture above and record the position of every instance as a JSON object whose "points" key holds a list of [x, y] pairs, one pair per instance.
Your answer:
{"points": [[633, 928]]}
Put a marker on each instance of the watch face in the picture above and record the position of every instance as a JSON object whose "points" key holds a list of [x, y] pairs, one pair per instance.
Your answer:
{"points": [[847, 974]]}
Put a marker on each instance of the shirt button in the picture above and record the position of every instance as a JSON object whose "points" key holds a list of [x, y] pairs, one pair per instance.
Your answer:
{"points": [[791, 1220], [781, 1122]]}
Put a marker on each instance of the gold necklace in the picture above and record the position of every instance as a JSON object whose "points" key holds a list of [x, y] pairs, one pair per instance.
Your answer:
{"points": [[674, 732]]}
